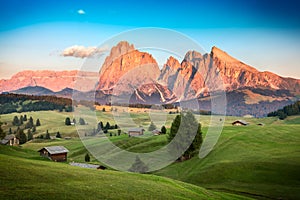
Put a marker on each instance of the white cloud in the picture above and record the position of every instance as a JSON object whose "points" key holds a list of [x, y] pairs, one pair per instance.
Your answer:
{"points": [[83, 52], [81, 12]]}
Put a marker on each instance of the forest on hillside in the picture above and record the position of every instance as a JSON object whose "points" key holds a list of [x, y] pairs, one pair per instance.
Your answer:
{"points": [[10, 103]]}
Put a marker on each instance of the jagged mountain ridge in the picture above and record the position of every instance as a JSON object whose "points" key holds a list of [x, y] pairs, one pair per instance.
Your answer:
{"points": [[129, 73]]}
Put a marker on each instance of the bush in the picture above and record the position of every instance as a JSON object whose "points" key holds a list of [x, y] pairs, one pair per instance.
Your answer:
{"points": [[87, 157]]}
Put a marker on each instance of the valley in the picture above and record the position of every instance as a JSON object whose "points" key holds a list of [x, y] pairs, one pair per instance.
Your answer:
{"points": [[249, 161]]}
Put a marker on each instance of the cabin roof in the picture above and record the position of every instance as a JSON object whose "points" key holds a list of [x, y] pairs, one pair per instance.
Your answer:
{"points": [[240, 121], [55, 149], [135, 129]]}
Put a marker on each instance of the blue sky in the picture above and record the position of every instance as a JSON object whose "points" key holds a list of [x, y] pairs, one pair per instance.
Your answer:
{"points": [[261, 33]]}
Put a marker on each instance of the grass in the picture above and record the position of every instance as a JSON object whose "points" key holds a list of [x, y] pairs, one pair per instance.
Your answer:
{"points": [[33, 179], [255, 161]]}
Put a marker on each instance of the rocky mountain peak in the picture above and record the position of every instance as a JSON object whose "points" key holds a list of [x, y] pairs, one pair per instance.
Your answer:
{"points": [[222, 55]]}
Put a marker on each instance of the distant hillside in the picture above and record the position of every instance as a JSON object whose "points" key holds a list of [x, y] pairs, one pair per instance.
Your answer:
{"points": [[10, 103]]}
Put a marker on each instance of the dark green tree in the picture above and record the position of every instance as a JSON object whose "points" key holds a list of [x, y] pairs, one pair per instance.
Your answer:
{"points": [[29, 135], [67, 121], [163, 130], [174, 127], [38, 123], [47, 137], [58, 135], [87, 157], [185, 124], [21, 119], [81, 121], [22, 137], [152, 127], [2, 133], [25, 118], [16, 121], [107, 126], [119, 132], [33, 129], [138, 166], [9, 131], [31, 122], [103, 109]]}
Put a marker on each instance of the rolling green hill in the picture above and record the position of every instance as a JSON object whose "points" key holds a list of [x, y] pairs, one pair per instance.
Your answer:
{"points": [[255, 161], [24, 176]]}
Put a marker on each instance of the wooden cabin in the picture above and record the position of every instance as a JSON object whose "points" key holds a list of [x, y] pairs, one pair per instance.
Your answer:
{"points": [[55, 153], [136, 132], [10, 140]]}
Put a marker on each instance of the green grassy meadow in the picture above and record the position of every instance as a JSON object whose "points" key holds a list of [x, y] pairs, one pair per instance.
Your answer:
{"points": [[250, 161]]}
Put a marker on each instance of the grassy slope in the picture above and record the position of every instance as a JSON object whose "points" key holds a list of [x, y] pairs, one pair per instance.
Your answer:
{"points": [[262, 161], [254, 160], [23, 178]]}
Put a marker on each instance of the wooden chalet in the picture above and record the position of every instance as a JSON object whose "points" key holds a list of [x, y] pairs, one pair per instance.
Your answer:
{"points": [[135, 131], [10, 140], [55, 153]]}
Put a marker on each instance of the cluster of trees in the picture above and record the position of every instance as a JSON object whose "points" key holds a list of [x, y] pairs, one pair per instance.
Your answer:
{"points": [[68, 121], [184, 125], [28, 123], [47, 135], [101, 127], [293, 109], [10, 103]]}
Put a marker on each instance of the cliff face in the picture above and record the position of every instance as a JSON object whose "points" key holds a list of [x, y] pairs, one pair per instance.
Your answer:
{"points": [[127, 71], [197, 74]]}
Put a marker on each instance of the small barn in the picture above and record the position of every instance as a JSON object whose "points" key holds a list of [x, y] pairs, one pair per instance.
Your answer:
{"points": [[55, 153], [135, 131], [10, 140], [240, 123]]}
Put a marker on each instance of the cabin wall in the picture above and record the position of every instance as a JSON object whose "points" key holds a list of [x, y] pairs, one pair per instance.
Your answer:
{"points": [[59, 157]]}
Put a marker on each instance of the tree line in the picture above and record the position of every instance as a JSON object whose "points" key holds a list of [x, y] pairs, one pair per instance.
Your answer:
{"points": [[10, 103], [293, 109]]}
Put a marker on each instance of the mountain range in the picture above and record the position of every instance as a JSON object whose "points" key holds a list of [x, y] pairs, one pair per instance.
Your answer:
{"points": [[128, 73]]}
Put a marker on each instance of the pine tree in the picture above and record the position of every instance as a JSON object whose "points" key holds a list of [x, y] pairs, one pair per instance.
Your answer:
{"points": [[103, 109], [58, 135], [21, 120], [47, 137], [81, 121], [185, 124], [152, 127], [9, 131], [16, 121], [2, 133], [163, 130], [107, 126], [29, 135], [31, 122], [68, 121], [33, 129], [138, 166], [25, 118], [22, 137], [87, 157], [38, 123]]}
